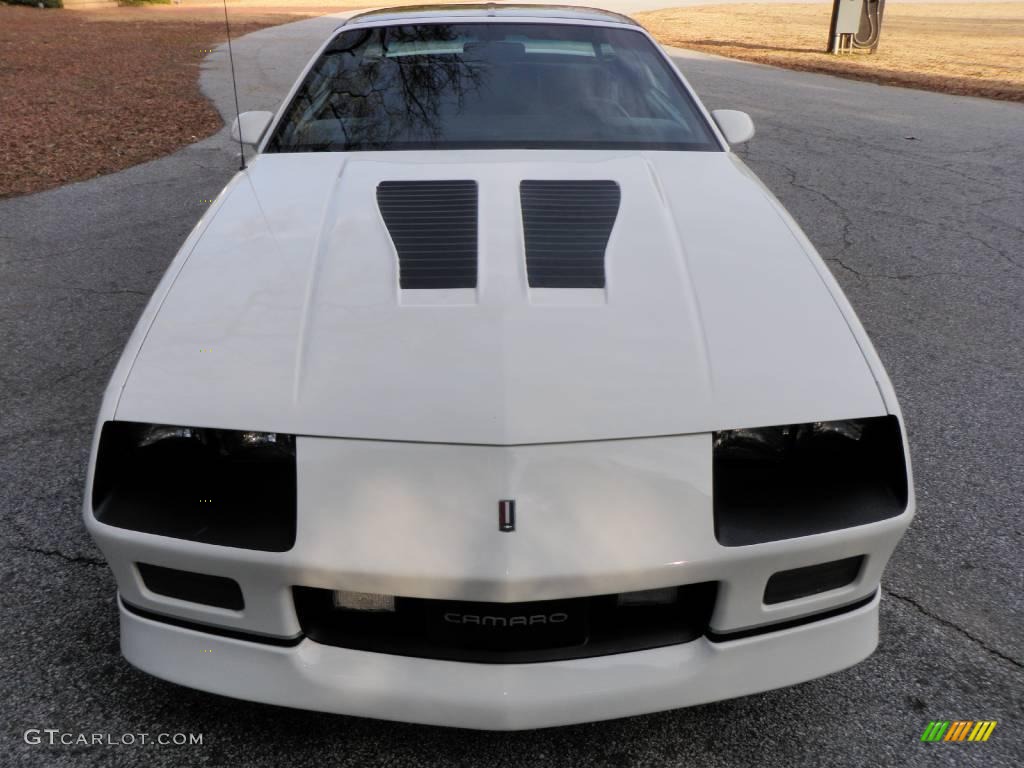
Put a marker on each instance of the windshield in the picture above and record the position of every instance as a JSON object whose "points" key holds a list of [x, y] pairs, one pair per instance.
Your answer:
{"points": [[491, 86]]}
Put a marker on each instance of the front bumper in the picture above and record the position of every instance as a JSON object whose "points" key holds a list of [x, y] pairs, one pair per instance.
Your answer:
{"points": [[420, 521], [498, 697]]}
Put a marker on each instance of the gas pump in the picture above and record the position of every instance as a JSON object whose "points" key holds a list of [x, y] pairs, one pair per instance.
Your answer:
{"points": [[856, 25]]}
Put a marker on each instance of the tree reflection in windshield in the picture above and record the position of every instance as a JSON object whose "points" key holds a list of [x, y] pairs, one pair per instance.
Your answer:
{"points": [[396, 96], [489, 85]]}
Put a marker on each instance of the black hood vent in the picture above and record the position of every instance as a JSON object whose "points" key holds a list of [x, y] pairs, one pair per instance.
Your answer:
{"points": [[566, 225], [433, 225]]}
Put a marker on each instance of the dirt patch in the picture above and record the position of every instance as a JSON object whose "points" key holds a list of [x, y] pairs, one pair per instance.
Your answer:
{"points": [[89, 92], [974, 49]]}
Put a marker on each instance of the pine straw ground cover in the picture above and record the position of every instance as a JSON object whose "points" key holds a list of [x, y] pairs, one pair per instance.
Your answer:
{"points": [[83, 93], [974, 49]]}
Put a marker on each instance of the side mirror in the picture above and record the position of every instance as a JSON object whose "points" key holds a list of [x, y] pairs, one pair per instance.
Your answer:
{"points": [[737, 126], [249, 127]]}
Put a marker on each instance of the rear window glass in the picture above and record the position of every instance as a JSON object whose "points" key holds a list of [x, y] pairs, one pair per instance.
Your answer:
{"points": [[479, 86]]}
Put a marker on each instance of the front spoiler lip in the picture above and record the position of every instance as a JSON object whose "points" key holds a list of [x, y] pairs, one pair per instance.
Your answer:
{"points": [[498, 697], [210, 629]]}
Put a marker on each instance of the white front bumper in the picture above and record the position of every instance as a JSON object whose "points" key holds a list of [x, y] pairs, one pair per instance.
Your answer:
{"points": [[420, 521], [498, 696]]}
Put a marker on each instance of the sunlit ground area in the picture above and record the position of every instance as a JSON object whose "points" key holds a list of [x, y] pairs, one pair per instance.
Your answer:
{"points": [[966, 48]]}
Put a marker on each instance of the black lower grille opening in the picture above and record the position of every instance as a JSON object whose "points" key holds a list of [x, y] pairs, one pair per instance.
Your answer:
{"points": [[508, 633], [218, 591], [812, 579]]}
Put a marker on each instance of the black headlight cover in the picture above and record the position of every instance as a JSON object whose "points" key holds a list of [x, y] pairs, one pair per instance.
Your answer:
{"points": [[782, 482], [215, 486]]}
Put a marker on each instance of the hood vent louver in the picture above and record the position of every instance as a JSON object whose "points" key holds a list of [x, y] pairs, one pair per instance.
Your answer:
{"points": [[433, 225], [566, 226]]}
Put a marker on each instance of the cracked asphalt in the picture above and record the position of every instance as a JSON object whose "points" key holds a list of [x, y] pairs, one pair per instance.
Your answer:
{"points": [[916, 200]]}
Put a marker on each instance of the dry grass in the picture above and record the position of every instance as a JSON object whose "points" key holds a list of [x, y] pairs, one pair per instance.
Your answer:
{"points": [[974, 49], [84, 93]]}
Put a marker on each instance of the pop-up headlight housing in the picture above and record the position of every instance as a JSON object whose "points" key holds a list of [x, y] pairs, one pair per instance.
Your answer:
{"points": [[215, 486], [782, 482]]}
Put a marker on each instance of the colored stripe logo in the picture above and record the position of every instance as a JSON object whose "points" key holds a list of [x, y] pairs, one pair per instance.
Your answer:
{"points": [[507, 515], [958, 730]]}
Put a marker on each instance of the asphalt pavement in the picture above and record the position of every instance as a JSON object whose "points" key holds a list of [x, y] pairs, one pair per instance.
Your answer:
{"points": [[916, 200]]}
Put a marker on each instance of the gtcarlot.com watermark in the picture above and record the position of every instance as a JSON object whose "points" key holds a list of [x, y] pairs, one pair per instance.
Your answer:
{"points": [[56, 737]]}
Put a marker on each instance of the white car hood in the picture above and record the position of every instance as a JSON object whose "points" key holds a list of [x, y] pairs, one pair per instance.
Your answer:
{"points": [[286, 314]]}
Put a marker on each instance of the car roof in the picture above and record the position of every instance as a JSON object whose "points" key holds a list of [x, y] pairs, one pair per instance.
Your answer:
{"points": [[488, 11]]}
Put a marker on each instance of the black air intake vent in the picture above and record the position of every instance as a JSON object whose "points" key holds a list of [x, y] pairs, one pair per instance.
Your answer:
{"points": [[217, 591], [566, 225], [812, 580], [433, 225]]}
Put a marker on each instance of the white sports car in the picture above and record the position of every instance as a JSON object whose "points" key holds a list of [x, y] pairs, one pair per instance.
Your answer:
{"points": [[497, 392]]}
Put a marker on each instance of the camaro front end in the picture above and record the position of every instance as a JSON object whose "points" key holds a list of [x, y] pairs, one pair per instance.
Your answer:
{"points": [[497, 393]]}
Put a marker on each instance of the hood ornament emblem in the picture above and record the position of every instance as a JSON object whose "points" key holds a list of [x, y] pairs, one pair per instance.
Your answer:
{"points": [[507, 515]]}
